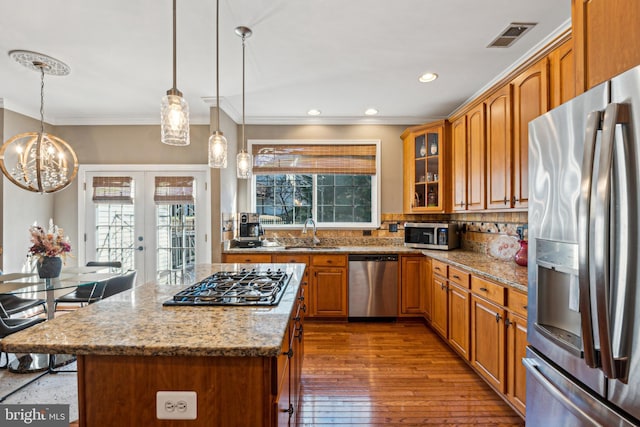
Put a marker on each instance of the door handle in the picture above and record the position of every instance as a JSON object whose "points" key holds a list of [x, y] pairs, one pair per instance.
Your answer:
{"points": [[584, 217]]}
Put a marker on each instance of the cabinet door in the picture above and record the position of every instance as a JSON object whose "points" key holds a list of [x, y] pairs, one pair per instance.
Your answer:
{"points": [[439, 317], [476, 155], [607, 38], [411, 287], [303, 259], [499, 149], [427, 295], [459, 164], [488, 342], [562, 74], [459, 320], [516, 351], [329, 291], [530, 100]]}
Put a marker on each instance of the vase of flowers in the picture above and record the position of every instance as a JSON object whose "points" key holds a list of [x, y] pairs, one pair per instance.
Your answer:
{"points": [[49, 247]]}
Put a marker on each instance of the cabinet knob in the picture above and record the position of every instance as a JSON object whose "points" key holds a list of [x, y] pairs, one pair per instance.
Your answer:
{"points": [[498, 317], [507, 322], [289, 410], [455, 276], [484, 289], [289, 353], [506, 200], [514, 200]]}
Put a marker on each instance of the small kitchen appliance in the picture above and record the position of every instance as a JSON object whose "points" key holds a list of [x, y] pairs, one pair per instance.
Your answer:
{"points": [[249, 230], [425, 235], [242, 287]]}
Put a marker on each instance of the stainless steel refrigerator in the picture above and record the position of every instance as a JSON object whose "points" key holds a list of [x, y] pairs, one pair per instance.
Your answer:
{"points": [[583, 361]]}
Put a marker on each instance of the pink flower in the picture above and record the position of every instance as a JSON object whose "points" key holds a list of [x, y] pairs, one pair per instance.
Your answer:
{"points": [[49, 243]]}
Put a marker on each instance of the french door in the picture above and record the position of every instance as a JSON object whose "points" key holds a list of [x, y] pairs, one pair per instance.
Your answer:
{"points": [[154, 221]]}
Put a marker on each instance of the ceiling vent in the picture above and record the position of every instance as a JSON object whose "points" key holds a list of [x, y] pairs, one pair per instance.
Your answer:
{"points": [[513, 32]]}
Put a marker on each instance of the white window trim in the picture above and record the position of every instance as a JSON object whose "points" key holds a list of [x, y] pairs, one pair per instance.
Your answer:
{"points": [[375, 183]]}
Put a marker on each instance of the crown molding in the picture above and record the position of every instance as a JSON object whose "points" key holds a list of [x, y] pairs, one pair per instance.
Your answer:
{"points": [[225, 106]]}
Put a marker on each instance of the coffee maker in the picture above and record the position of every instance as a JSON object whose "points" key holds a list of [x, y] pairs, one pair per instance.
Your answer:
{"points": [[249, 230]]}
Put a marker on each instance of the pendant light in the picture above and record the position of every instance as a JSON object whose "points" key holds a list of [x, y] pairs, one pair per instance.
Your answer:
{"points": [[174, 113], [217, 141], [244, 159], [38, 161]]}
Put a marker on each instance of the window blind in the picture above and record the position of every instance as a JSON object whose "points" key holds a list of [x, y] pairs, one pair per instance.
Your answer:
{"points": [[355, 159], [174, 190], [113, 189]]}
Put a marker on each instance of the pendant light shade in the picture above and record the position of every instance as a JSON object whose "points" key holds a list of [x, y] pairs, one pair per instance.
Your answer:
{"points": [[217, 141], [38, 161], [174, 112], [244, 160]]}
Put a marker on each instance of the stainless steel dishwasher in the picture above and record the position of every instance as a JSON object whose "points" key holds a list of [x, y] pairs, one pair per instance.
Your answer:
{"points": [[373, 285]]}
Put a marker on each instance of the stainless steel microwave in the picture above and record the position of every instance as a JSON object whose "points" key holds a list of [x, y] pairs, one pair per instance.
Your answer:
{"points": [[427, 235]]}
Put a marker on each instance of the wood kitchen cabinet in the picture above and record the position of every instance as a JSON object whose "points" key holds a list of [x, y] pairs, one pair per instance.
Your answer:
{"points": [[606, 39], [412, 285], [499, 148], [458, 311], [302, 259], [248, 258], [329, 286], [516, 324], [530, 100], [425, 181], [468, 160], [427, 295], [488, 355], [440, 308], [562, 74]]}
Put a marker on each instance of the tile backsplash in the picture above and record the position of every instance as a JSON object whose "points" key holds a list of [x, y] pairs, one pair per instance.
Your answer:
{"points": [[477, 230]]}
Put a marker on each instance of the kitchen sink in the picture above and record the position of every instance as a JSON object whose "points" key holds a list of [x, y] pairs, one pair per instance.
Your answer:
{"points": [[317, 248]]}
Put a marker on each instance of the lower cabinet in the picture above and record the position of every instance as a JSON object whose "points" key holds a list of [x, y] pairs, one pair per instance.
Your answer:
{"points": [[329, 286], [412, 285], [486, 324]]}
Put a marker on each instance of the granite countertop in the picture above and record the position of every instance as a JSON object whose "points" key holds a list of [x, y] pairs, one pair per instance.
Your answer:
{"points": [[400, 249], [505, 272], [135, 323]]}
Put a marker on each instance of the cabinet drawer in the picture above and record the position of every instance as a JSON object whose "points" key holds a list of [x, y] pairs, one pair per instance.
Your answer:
{"points": [[247, 258], [439, 268], [517, 302], [488, 290], [288, 258], [459, 277], [329, 260]]}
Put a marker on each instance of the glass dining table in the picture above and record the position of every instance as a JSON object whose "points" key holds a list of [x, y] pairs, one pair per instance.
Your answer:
{"points": [[29, 285]]}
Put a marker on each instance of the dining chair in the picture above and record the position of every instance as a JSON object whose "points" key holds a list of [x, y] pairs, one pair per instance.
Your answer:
{"points": [[10, 326], [83, 294], [121, 283], [12, 304]]}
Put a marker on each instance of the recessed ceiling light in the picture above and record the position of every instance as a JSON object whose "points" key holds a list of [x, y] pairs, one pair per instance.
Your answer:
{"points": [[428, 77], [314, 112], [371, 112]]}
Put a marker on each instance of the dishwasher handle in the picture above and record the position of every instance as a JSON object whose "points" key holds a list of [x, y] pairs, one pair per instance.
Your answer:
{"points": [[373, 257]]}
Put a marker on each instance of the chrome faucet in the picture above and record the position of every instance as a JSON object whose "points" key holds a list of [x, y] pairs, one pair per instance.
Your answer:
{"points": [[315, 239]]}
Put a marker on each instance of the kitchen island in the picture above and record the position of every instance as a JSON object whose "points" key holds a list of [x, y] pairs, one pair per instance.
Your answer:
{"points": [[243, 362]]}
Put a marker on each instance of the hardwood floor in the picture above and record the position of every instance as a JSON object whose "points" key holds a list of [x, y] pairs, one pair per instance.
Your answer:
{"points": [[375, 374]]}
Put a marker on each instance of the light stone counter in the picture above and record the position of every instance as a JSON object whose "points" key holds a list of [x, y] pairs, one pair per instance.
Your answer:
{"points": [[135, 323], [506, 272]]}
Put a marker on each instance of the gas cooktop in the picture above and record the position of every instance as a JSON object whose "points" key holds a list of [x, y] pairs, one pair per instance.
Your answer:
{"points": [[243, 287]]}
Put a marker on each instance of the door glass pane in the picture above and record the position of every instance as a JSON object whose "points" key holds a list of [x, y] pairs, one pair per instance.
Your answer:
{"points": [[114, 234], [175, 243]]}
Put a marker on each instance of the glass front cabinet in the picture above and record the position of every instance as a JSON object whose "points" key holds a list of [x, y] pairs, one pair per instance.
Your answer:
{"points": [[425, 180]]}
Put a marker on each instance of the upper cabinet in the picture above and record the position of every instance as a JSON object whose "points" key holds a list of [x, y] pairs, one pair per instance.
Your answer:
{"points": [[606, 39], [499, 149], [468, 160], [424, 163], [530, 100], [562, 74]]}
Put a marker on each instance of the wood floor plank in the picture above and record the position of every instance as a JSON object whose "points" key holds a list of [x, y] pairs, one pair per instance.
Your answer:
{"points": [[384, 374]]}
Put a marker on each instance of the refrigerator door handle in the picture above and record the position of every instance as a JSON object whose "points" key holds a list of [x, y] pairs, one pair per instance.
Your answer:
{"points": [[532, 367], [614, 114], [584, 214]]}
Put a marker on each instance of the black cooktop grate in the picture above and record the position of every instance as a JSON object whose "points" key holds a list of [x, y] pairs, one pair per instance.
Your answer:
{"points": [[244, 287]]}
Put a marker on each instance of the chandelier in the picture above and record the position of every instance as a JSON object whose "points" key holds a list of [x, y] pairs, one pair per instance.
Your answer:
{"points": [[174, 113], [217, 141], [244, 159], [38, 161]]}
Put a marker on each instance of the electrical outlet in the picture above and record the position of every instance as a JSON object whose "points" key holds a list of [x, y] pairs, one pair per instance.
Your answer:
{"points": [[176, 405]]}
